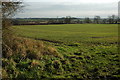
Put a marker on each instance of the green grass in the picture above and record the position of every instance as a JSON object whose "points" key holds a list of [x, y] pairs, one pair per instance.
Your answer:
{"points": [[88, 51], [70, 33]]}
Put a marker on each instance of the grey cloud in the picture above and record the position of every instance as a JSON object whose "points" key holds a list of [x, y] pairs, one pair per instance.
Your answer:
{"points": [[52, 9], [83, 7]]}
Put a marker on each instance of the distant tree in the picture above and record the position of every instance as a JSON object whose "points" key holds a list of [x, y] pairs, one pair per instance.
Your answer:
{"points": [[111, 19], [87, 20], [118, 20], [104, 21], [97, 19], [78, 21], [51, 21], [67, 19]]}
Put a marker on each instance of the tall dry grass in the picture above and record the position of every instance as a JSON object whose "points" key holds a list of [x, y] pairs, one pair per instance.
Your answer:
{"points": [[27, 48]]}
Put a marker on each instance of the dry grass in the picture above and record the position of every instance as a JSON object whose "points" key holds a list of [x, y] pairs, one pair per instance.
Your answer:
{"points": [[28, 48]]}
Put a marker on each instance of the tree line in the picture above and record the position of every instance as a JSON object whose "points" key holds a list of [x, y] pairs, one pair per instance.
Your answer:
{"points": [[96, 20], [113, 19]]}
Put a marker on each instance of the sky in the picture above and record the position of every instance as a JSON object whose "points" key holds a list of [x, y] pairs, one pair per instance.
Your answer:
{"points": [[62, 8]]}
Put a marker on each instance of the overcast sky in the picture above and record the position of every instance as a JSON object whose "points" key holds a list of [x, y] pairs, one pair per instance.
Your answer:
{"points": [[62, 8]]}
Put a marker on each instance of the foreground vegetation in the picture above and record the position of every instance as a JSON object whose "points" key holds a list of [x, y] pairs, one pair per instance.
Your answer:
{"points": [[66, 51]]}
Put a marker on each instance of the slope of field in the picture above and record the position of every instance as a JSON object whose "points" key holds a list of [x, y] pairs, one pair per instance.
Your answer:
{"points": [[84, 51], [71, 32]]}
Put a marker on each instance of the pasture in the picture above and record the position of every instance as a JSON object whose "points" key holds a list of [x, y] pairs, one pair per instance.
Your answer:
{"points": [[71, 33], [84, 50]]}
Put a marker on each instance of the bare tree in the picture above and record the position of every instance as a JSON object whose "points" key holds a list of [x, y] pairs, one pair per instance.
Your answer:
{"points": [[67, 20], [97, 19], [87, 20], [111, 19], [104, 21], [9, 9]]}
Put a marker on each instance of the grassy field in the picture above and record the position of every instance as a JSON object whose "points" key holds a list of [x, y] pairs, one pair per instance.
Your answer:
{"points": [[85, 51], [71, 33]]}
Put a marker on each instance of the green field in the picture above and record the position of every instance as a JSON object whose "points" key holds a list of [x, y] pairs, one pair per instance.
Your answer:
{"points": [[84, 51], [71, 32]]}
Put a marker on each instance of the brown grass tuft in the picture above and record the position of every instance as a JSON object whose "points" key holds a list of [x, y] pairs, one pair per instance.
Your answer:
{"points": [[28, 48]]}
